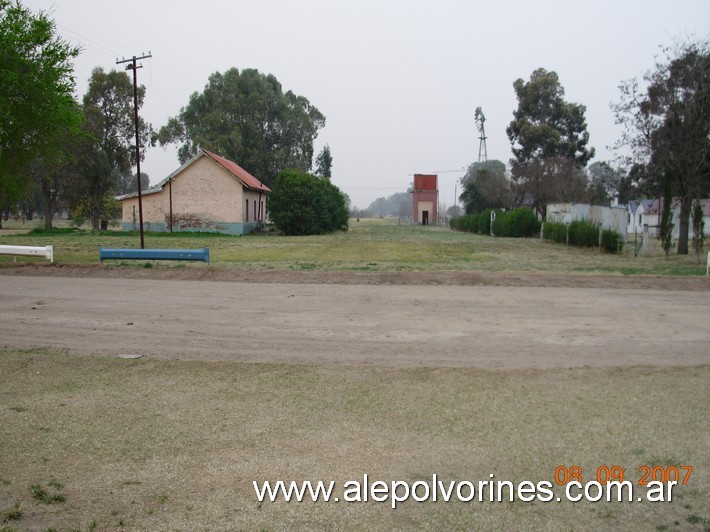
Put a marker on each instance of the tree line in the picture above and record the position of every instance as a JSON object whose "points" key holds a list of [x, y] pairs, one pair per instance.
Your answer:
{"points": [[60, 153], [57, 153], [665, 141]]}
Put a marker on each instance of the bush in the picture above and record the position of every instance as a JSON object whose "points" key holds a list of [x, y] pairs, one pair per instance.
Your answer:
{"points": [[555, 231], [583, 233], [501, 225], [518, 223], [467, 222], [302, 204], [612, 242], [484, 220]]}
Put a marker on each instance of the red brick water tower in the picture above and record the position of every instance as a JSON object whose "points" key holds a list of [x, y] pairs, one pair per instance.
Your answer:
{"points": [[425, 198]]}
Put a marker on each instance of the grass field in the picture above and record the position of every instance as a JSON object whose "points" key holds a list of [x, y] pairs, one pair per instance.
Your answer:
{"points": [[369, 245], [98, 443], [175, 445]]}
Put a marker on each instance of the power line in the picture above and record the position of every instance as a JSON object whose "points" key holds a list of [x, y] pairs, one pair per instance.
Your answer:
{"points": [[105, 47], [93, 40]]}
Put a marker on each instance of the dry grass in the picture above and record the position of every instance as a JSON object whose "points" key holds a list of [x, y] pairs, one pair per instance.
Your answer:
{"points": [[372, 245], [163, 445]]}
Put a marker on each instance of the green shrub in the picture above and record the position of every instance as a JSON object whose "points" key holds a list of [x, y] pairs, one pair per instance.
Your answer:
{"points": [[469, 223], [518, 223], [555, 231], [501, 225], [612, 241], [484, 220], [466, 222], [583, 233], [302, 204]]}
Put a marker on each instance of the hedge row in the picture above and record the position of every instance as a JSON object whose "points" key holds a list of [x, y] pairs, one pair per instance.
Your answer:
{"points": [[583, 233], [518, 223], [522, 223]]}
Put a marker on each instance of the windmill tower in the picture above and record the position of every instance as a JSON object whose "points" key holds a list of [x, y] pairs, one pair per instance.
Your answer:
{"points": [[480, 124]]}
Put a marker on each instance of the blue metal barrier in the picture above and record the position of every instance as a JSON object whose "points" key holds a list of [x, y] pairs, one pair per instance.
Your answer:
{"points": [[155, 254]]}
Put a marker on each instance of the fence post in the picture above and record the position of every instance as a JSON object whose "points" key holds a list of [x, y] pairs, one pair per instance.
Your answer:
{"points": [[542, 231], [600, 238]]}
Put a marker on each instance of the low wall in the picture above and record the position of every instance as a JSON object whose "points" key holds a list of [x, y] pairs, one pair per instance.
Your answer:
{"points": [[227, 228]]}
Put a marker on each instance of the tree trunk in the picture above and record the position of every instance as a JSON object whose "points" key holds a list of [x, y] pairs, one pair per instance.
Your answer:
{"points": [[47, 218], [48, 204], [686, 202]]}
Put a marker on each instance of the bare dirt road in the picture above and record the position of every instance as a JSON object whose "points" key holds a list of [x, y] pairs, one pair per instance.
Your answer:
{"points": [[514, 321]]}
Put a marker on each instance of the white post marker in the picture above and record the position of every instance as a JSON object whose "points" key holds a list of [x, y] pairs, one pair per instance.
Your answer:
{"points": [[707, 270]]}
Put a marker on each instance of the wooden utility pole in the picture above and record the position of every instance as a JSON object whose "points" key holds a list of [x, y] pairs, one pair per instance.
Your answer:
{"points": [[134, 66]]}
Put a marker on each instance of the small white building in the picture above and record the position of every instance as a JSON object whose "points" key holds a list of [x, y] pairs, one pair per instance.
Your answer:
{"points": [[648, 212], [635, 211]]}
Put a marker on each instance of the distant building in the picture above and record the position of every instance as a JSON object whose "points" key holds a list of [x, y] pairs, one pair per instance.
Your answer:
{"points": [[425, 199], [649, 212], [207, 193]]}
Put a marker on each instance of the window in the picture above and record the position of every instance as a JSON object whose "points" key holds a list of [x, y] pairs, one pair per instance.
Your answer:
{"points": [[246, 217]]}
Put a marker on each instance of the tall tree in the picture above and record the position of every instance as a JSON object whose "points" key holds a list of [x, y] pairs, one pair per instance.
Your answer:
{"points": [[108, 151], [50, 182], [398, 205], [548, 137], [485, 187], [37, 108], [667, 127], [698, 218], [666, 225], [324, 162], [607, 182], [494, 166], [128, 184], [247, 117], [548, 181]]}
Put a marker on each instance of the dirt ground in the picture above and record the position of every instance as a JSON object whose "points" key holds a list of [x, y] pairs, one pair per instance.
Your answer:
{"points": [[399, 319]]}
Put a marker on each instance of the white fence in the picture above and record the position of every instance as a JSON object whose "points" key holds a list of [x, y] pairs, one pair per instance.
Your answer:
{"points": [[29, 251]]}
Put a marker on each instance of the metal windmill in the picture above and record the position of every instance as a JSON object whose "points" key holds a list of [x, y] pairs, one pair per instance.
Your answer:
{"points": [[480, 124]]}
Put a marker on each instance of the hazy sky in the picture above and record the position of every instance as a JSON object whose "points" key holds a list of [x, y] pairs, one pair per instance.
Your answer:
{"points": [[398, 81]]}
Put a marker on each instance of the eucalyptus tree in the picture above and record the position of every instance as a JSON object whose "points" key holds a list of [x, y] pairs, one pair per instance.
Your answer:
{"points": [[667, 127], [248, 118], [549, 141], [106, 152]]}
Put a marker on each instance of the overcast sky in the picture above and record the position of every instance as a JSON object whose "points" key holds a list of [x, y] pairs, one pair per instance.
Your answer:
{"points": [[398, 81]]}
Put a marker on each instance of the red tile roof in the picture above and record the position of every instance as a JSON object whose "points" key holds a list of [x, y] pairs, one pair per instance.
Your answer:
{"points": [[233, 168]]}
